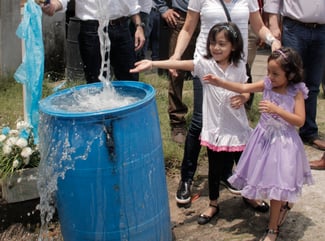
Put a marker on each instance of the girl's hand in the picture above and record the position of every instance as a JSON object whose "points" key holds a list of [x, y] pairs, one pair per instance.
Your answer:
{"points": [[266, 106], [141, 66], [237, 101], [211, 79]]}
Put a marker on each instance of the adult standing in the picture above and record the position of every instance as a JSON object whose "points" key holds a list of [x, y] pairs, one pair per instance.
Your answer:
{"points": [[145, 9], [153, 38], [177, 109], [208, 13], [123, 46], [303, 29]]}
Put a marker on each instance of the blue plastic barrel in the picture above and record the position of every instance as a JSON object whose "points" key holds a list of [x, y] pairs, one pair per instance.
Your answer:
{"points": [[109, 165]]}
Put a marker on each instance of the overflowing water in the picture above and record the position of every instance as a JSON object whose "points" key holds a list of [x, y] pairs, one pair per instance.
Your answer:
{"points": [[80, 101], [91, 99]]}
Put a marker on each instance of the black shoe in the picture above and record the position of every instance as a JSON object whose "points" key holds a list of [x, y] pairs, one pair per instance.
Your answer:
{"points": [[204, 219], [263, 207], [229, 187], [183, 194]]}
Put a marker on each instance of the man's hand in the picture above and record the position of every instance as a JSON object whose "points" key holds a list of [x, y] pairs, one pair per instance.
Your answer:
{"points": [[139, 38], [171, 17]]}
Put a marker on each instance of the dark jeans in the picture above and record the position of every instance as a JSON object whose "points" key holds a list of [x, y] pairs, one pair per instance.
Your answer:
{"points": [[219, 164], [154, 34], [89, 47], [176, 107], [192, 143], [122, 54], [310, 43]]}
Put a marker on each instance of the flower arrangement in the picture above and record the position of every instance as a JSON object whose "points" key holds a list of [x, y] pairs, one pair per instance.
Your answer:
{"points": [[17, 149]]}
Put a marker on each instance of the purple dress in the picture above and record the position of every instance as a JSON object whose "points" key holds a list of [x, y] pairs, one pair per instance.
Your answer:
{"points": [[274, 164]]}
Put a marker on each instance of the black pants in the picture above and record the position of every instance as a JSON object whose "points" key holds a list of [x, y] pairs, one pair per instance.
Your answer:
{"points": [[220, 164]]}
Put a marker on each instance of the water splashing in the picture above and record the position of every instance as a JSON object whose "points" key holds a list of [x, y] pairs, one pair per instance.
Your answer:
{"points": [[105, 43]]}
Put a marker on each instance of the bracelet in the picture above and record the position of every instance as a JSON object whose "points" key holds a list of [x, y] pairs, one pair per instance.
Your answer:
{"points": [[269, 39]]}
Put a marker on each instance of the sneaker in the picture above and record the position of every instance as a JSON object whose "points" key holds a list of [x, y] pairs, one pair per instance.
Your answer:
{"points": [[183, 195], [178, 135], [229, 187]]}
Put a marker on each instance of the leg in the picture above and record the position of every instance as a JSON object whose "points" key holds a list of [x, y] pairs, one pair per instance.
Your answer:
{"points": [[272, 231], [310, 44], [217, 165], [176, 108], [285, 208], [192, 146], [122, 54], [90, 50], [228, 172], [155, 34]]}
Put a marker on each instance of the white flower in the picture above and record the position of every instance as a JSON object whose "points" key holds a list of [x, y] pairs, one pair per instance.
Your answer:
{"points": [[22, 125], [6, 149], [21, 142], [11, 141], [26, 152], [15, 164], [2, 137]]}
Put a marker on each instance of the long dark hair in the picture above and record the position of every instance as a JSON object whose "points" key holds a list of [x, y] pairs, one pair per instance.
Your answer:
{"points": [[290, 62], [233, 35]]}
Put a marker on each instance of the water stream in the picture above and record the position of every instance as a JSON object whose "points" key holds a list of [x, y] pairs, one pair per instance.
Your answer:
{"points": [[84, 100]]}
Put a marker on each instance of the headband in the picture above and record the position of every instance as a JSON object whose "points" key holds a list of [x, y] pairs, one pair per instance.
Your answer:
{"points": [[283, 54]]}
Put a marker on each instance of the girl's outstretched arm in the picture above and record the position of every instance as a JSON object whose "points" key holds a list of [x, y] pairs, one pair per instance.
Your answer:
{"points": [[236, 87], [146, 64], [297, 118]]}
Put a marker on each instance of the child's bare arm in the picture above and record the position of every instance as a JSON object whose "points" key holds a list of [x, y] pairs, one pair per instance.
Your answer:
{"points": [[236, 87], [163, 64]]}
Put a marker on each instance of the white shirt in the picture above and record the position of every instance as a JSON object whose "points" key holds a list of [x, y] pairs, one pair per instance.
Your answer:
{"points": [[307, 11], [212, 12], [146, 6], [223, 128], [113, 9]]}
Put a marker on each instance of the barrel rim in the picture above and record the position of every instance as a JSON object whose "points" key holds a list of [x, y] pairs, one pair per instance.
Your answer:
{"points": [[147, 88]]}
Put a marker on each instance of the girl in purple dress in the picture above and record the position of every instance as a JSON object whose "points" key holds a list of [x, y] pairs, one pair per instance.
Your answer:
{"points": [[274, 164]]}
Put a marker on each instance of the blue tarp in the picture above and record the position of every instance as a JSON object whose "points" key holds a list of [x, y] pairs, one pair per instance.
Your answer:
{"points": [[31, 71]]}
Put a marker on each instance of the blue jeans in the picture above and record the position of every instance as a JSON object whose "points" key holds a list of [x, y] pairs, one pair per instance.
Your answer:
{"points": [[154, 34], [310, 43]]}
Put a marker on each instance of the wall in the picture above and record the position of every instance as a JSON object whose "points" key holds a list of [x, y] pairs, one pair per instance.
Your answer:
{"points": [[10, 44]]}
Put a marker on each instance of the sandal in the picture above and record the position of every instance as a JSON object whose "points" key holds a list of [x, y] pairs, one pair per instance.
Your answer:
{"points": [[269, 233], [204, 219], [284, 213]]}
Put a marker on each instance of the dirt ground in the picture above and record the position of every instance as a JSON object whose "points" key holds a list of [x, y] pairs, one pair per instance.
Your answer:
{"points": [[235, 221]]}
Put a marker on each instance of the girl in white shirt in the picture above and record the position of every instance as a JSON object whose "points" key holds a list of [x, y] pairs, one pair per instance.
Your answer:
{"points": [[225, 129]]}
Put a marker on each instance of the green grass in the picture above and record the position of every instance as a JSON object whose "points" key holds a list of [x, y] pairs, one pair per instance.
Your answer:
{"points": [[11, 97]]}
